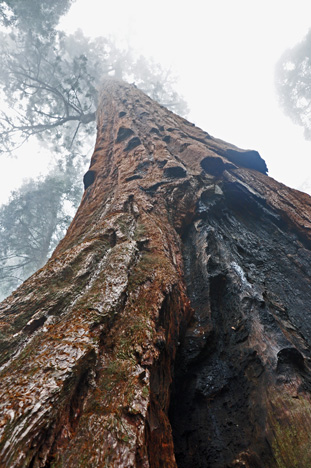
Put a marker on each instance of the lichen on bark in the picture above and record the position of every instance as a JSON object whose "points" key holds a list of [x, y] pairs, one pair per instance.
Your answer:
{"points": [[167, 329]]}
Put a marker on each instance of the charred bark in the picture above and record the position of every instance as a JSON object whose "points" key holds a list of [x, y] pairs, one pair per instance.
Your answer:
{"points": [[171, 327]]}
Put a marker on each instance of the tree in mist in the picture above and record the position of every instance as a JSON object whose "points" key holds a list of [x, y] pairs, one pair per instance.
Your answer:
{"points": [[40, 17], [49, 84], [50, 80], [293, 81], [51, 91], [34, 221]]}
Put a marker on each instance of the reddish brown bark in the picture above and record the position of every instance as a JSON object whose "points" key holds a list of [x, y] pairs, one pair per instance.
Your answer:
{"points": [[158, 288]]}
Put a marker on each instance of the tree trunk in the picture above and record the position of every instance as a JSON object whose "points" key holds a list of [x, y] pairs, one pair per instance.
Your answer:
{"points": [[171, 327]]}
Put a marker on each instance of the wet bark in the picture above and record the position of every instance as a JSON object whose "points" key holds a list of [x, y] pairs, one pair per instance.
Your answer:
{"points": [[171, 327]]}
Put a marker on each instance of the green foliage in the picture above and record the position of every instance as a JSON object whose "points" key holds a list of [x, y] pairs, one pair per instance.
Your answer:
{"points": [[293, 82], [50, 87], [50, 81], [33, 222], [50, 91], [36, 15]]}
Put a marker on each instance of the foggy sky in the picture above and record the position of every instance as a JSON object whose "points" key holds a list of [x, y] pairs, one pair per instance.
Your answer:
{"points": [[224, 53]]}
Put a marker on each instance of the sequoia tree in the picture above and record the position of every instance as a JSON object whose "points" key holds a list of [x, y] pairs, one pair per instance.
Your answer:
{"points": [[171, 326]]}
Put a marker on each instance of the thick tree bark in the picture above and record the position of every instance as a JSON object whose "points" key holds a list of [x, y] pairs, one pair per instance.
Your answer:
{"points": [[171, 327]]}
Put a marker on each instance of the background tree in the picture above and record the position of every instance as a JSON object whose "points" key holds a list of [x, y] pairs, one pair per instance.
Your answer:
{"points": [[293, 82], [34, 221], [33, 16], [49, 84]]}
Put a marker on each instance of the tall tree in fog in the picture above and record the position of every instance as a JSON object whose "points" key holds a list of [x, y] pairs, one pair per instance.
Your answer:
{"points": [[49, 83], [293, 81], [33, 222]]}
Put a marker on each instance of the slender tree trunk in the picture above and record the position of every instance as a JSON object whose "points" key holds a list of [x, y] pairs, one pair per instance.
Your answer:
{"points": [[171, 327]]}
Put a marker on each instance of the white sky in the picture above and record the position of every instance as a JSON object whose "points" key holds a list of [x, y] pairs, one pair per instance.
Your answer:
{"points": [[224, 52]]}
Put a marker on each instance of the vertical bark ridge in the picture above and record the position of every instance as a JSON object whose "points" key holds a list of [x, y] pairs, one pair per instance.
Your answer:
{"points": [[174, 278]]}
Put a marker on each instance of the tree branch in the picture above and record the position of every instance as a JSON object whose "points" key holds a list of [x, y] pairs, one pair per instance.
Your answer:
{"points": [[34, 129]]}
